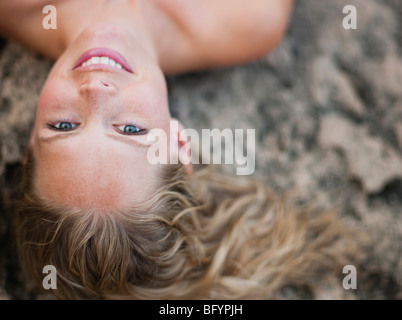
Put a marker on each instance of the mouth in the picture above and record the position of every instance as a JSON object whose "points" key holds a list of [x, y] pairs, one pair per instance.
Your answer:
{"points": [[102, 59]]}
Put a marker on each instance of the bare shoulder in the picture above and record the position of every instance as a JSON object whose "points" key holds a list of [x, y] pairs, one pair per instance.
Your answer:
{"points": [[227, 32], [12, 12], [22, 21]]}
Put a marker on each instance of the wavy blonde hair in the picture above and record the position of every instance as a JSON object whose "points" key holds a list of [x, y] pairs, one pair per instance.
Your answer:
{"points": [[205, 236]]}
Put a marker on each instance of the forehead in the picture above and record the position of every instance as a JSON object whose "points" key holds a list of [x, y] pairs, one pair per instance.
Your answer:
{"points": [[100, 178]]}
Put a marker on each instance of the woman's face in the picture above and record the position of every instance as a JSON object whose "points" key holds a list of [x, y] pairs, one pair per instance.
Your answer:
{"points": [[90, 136]]}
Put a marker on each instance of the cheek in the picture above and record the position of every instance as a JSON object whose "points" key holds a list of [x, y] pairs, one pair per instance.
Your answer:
{"points": [[150, 100], [46, 99], [56, 92]]}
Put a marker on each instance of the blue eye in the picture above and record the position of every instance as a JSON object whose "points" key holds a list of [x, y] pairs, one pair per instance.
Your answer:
{"points": [[131, 129], [63, 126]]}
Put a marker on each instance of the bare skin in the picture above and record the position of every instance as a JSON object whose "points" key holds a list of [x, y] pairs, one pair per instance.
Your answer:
{"points": [[188, 35], [89, 139]]}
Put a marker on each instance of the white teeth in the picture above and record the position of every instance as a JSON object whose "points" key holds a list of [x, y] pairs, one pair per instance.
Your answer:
{"points": [[102, 60], [95, 60]]}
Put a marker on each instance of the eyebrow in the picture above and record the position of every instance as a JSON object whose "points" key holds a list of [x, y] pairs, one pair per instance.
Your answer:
{"points": [[55, 137], [127, 140], [124, 139]]}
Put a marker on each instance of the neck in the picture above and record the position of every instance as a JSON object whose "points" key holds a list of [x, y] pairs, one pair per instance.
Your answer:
{"points": [[131, 16]]}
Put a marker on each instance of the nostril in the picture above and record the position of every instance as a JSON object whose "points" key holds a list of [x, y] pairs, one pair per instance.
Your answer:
{"points": [[97, 85]]}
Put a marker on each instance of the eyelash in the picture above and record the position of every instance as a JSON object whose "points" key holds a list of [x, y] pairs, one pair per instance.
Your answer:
{"points": [[140, 132], [53, 127]]}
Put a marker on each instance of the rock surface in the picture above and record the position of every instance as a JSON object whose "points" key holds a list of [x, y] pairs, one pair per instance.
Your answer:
{"points": [[327, 109]]}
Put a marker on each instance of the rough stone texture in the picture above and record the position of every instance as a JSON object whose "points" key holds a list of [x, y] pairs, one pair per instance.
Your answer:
{"points": [[327, 109]]}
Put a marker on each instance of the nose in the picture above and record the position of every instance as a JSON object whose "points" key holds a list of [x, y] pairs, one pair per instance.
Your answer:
{"points": [[97, 87]]}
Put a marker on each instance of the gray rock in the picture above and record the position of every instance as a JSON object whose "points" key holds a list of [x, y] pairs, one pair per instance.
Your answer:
{"points": [[371, 160]]}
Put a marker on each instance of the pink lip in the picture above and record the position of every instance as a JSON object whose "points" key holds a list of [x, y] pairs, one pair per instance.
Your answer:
{"points": [[103, 52]]}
